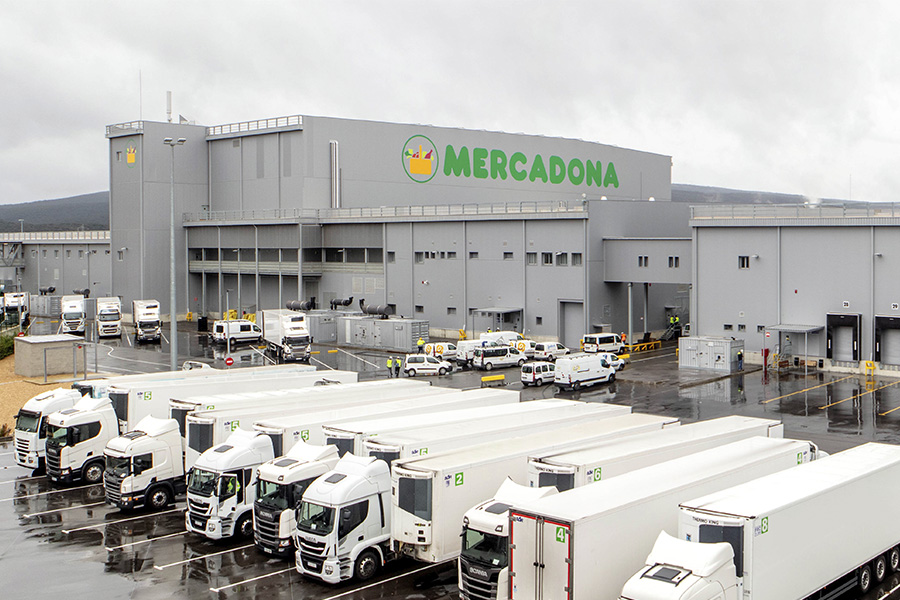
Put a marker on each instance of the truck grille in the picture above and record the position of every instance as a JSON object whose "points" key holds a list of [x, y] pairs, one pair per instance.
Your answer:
{"points": [[312, 548], [198, 521], [266, 527], [313, 564], [113, 486], [195, 506], [53, 467], [22, 447], [477, 588]]}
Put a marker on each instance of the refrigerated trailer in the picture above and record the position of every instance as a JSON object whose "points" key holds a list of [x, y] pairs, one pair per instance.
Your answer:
{"points": [[586, 542], [431, 494], [567, 470], [815, 531]]}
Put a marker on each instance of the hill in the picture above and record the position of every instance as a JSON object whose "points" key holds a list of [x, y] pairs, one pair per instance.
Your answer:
{"points": [[88, 211]]}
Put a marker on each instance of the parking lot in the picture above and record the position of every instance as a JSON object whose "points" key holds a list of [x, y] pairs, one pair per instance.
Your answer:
{"points": [[57, 541]]}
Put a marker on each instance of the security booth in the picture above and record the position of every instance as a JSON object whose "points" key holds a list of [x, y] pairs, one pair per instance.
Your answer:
{"points": [[785, 350], [714, 353]]}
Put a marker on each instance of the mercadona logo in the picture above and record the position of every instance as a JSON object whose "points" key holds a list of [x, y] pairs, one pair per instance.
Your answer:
{"points": [[420, 158]]}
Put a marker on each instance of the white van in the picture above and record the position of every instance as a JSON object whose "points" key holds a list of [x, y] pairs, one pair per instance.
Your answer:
{"points": [[502, 337], [526, 347], [441, 350], [421, 364], [538, 373], [238, 330], [602, 342], [499, 356], [580, 370], [549, 351], [465, 350]]}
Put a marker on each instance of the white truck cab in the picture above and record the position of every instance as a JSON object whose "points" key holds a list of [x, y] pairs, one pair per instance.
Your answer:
{"points": [[286, 334], [72, 318], [145, 315], [31, 425], [280, 488], [344, 522], [145, 466], [109, 317], [75, 439], [221, 486]]}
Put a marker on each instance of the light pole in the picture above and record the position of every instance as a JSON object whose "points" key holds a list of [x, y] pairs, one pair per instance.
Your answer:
{"points": [[22, 251], [173, 316]]}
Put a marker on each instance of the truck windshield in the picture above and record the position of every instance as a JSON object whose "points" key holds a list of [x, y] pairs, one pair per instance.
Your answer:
{"points": [[272, 495], [108, 317], [118, 466], [71, 316], [201, 482], [56, 436], [484, 548], [149, 324], [297, 341], [314, 518], [27, 421]]}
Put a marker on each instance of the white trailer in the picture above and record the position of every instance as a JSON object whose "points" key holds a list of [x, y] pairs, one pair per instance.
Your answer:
{"points": [[208, 428], [145, 317], [72, 318], [815, 531], [109, 317], [286, 334], [432, 493], [480, 429], [566, 470], [30, 435], [586, 542]]}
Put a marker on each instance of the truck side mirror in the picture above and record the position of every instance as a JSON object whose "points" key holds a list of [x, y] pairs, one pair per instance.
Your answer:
{"points": [[76, 435]]}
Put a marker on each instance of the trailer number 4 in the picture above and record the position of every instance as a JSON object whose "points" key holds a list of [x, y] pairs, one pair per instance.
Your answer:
{"points": [[561, 535]]}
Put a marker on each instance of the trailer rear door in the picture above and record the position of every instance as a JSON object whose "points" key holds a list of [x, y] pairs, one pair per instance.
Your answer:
{"points": [[540, 558]]}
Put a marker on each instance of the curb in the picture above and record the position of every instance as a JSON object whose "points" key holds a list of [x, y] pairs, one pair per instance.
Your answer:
{"points": [[719, 378]]}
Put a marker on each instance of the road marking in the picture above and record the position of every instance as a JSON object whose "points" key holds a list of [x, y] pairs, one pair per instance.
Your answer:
{"points": [[24, 479], [104, 524], [147, 541], [50, 492], [807, 389], [889, 592], [181, 562], [47, 512], [853, 397], [225, 587], [382, 582]]}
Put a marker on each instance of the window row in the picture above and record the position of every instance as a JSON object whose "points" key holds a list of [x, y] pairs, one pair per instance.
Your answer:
{"points": [[674, 261], [81, 253], [421, 256]]}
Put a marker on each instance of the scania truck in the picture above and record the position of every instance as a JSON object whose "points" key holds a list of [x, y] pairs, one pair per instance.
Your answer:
{"points": [[591, 539], [145, 316], [109, 317], [286, 334], [30, 434], [76, 438], [72, 319], [816, 531], [221, 487]]}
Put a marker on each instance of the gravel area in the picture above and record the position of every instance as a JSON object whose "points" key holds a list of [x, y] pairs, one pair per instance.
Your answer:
{"points": [[15, 391]]}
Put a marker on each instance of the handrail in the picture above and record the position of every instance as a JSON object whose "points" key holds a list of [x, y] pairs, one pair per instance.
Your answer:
{"points": [[257, 125], [795, 211], [56, 236]]}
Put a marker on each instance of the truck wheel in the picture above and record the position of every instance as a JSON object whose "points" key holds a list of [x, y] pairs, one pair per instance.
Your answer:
{"points": [[864, 578], [244, 527], [366, 565], [93, 472], [894, 558], [158, 498], [880, 568]]}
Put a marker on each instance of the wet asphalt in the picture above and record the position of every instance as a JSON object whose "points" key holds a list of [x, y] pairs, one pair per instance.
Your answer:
{"points": [[60, 542]]}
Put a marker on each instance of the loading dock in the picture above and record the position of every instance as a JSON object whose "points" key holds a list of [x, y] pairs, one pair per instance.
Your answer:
{"points": [[887, 340], [842, 335]]}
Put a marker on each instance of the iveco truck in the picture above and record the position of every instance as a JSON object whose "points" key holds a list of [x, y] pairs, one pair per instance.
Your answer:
{"points": [[815, 531], [30, 434], [591, 539]]}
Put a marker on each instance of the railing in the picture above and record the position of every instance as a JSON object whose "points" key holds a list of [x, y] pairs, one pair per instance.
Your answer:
{"points": [[124, 128], [259, 125], [56, 236], [380, 212], [798, 211]]}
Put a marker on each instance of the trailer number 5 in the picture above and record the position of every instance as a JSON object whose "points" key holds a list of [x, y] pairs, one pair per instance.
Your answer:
{"points": [[458, 479]]}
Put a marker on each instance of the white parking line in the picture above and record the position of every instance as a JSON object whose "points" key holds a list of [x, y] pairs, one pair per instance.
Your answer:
{"points": [[24, 479], [47, 493], [104, 524], [181, 562], [225, 587], [162, 537], [353, 591], [47, 512], [889, 592]]}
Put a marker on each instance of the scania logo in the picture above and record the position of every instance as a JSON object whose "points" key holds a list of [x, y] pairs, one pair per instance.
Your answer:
{"points": [[478, 572], [420, 158], [265, 515]]}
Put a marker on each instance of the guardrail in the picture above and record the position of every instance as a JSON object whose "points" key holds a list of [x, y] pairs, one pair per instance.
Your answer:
{"points": [[258, 125], [644, 347], [798, 211], [56, 236]]}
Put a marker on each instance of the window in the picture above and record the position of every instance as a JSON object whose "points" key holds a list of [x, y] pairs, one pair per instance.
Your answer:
{"points": [[531, 258], [546, 258], [742, 327], [443, 254], [643, 261], [392, 256], [576, 259], [309, 255], [44, 253], [355, 255], [507, 256], [68, 254], [451, 310], [728, 327], [56, 254], [120, 254], [34, 254], [743, 262], [81, 254], [334, 255], [420, 308], [142, 463], [420, 257], [451, 254], [760, 329], [374, 255], [434, 255], [539, 320], [473, 255], [562, 259], [352, 517], [673, 262], [118, 156]]}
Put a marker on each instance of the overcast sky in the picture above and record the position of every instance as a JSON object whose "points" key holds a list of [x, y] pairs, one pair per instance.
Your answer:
{"points": [[788, 96]]}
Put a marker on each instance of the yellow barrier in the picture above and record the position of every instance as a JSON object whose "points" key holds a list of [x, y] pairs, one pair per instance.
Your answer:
{"points": [[189, 316], [316, 352], [870, 367], [332, 352], [462, 334], [493, 380], [646, 347]]}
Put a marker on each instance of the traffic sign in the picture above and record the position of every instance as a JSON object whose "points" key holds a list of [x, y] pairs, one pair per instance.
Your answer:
{"points": [[229, 361]]}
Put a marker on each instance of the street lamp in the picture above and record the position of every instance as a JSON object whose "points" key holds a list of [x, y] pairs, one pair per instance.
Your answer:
{"points": [[173, 316]]}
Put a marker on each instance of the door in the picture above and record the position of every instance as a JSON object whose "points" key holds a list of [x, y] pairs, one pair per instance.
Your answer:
{"points": [[571, 323], [842, 336], [540, 558]]}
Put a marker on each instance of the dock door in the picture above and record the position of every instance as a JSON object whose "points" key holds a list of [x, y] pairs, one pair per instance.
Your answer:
{"points": [[887, 340], [842, 332]]}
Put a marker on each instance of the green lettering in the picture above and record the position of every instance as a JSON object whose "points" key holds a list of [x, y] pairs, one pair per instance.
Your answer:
{"points": [[557, 169], [538, 171], [457, 164], [498, 164], [611, 178], [479, 157], [517, 159], [593, 173], [576, 171]]}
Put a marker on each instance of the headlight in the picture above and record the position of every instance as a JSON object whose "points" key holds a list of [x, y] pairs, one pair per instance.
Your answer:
{"points": [[329, 569], [284, 543]]}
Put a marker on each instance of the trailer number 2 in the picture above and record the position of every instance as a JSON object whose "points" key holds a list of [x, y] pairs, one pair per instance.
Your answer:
{"points": [[458, 479]]}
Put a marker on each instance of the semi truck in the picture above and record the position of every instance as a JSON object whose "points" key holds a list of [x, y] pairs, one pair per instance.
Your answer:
{"points": [[76, 438], [144, 467], [432, 493], [586, 542], [818, 530], [72, 318], [567, 470], [286, 334], [109, 317], [15, 306], [145, 317], [30, 435], [280, 488], [208, 428], [221, 486]]}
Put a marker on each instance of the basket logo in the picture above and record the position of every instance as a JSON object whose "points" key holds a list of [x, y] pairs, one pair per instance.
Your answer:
{"points": [[130, 154], [420, 158]]}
